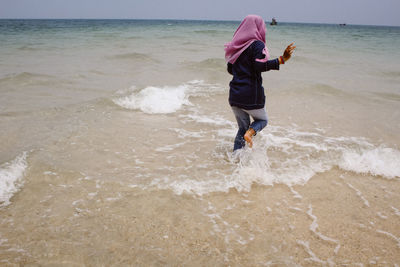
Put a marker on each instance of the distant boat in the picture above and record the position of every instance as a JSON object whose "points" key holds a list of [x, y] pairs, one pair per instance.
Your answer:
{"points": [[342, 24], [273, 22]]}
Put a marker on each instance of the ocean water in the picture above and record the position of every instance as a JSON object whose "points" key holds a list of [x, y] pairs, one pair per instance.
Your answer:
{"points": [[116, 147]]}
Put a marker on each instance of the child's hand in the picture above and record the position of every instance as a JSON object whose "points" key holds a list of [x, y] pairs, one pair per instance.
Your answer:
{"points": [[288, 52]]}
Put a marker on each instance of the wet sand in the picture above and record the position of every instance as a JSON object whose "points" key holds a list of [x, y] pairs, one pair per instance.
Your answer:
{"points": [[337, 218]]}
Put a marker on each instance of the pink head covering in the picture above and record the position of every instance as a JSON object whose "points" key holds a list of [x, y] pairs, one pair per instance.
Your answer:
{"points": [[251, 29]]}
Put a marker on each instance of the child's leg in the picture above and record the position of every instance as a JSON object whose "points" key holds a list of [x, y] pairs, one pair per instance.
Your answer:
{"points": [[239, 139], [243, 121], [260, 121]]}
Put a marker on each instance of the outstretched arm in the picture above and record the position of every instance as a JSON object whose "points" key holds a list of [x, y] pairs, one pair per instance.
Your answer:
{"points": [[272, 64], [287, 54]]}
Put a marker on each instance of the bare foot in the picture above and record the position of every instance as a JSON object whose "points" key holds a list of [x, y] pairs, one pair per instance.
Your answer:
{"points": [[248, 136]]}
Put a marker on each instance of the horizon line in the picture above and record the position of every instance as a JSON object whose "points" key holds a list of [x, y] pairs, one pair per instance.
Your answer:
{"points": [[219, 20]]}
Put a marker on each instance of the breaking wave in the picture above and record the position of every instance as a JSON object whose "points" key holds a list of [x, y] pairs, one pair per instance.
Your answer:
{"points": [[11, 178], [166, 99]]}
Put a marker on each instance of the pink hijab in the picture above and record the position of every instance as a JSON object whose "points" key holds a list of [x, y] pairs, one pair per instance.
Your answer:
{"points": [[251, 29]]}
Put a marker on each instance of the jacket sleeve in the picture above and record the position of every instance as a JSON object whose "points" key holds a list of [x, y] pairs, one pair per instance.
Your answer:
{"points": [[272, 64], [229, 68]]}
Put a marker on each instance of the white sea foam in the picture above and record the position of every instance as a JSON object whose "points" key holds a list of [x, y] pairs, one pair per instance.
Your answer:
{"points": [[395, 238], [11, 178], [381, 160], [312, 255], [314, 229], [360, 195], [156, 99], [167, 99], [288, 156]]}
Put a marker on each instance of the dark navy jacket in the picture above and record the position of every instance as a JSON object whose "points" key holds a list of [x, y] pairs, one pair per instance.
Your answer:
{"points": [[246, 90]]}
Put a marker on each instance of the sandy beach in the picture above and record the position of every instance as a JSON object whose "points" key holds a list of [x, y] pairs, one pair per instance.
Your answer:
{"points": [[116, 153]]}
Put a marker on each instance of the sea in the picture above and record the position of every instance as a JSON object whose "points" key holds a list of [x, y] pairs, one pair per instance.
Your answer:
{"points": [[116, 141]]}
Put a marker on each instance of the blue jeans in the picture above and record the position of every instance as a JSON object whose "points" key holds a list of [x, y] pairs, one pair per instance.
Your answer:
{"points": [[243, 120]]}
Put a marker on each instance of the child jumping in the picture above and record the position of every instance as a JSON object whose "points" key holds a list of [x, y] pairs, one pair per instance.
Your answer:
{"points": [[248, 56]]}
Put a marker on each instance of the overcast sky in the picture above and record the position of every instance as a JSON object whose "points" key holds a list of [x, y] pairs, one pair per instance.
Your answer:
{"points": [[370, 12]]}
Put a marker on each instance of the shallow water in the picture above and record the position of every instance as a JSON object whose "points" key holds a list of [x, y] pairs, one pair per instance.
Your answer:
{"points": [[117, 135]]}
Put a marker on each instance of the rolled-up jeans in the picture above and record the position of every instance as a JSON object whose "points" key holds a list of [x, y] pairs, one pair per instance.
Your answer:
{"points": [[243, 120]]}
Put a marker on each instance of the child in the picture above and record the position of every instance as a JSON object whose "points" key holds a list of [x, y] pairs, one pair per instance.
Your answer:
{"points": [[247, 57]]}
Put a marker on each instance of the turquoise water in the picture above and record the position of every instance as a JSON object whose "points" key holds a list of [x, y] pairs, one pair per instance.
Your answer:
{"points": [[116, 146], [324, 51]]}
